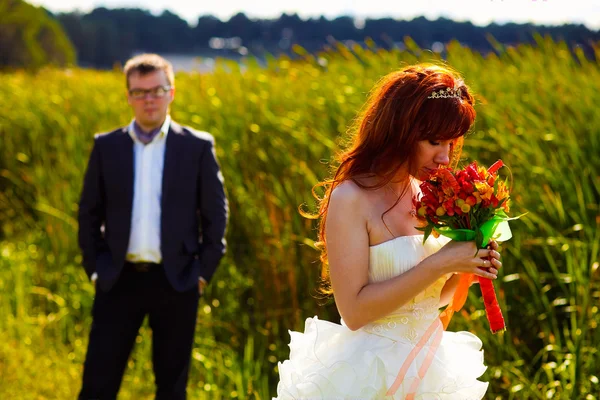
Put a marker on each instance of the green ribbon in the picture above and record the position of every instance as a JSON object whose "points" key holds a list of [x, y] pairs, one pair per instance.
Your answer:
{"points": [[496, 228]]}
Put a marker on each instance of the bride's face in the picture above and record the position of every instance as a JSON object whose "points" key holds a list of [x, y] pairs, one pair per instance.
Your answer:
{"points": [[431, 155]]}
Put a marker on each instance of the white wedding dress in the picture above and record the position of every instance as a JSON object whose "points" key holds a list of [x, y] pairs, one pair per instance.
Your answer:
{"points": [[329, 361]]}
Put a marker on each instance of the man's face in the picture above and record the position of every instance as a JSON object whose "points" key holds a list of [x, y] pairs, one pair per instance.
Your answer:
{"points": [[149, 96]]}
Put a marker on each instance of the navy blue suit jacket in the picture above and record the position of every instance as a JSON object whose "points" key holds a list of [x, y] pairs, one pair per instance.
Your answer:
{"points": [[193, 207]]}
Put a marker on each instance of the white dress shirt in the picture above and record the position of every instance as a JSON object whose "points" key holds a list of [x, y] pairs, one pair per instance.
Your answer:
{"points": [[148, 163]]}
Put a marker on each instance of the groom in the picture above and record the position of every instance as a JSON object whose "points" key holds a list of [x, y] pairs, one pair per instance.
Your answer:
{"points": [[152, 220]]}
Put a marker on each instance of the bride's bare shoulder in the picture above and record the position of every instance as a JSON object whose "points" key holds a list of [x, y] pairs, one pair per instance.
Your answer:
{"points": [[347, 192], [347, 199], [350, 193]]}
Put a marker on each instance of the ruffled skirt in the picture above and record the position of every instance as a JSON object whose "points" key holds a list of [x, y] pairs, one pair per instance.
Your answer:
{"points": [[329, 361]]}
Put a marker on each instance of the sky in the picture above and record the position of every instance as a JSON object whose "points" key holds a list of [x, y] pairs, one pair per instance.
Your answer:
{"points": [[480, 12]]}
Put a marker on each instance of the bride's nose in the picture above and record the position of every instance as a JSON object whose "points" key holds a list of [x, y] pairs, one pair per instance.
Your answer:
{"points": [[443, 156]]}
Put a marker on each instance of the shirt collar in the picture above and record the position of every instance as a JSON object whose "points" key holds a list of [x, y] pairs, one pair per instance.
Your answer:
{"points": [[164, 130]]}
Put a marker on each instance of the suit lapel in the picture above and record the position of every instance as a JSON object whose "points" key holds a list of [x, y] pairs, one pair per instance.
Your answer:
{"points": [[173, 154], [125, 146]]}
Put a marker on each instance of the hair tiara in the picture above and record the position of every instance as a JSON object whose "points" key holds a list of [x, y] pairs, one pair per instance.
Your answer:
{"points": [[445, 94]]}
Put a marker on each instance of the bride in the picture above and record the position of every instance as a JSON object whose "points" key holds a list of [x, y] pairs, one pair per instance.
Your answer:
{"points": [[388, 285]]}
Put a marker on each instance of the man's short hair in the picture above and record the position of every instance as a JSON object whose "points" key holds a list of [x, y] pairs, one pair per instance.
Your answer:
{"points": [[146, 64]]}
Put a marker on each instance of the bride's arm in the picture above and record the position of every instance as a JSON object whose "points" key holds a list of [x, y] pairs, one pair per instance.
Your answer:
{"points": [[348, 253], [360, 302], [448, 290]]}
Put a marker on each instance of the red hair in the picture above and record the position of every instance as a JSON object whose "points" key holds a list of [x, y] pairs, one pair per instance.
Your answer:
{"points": [[384, 137]]}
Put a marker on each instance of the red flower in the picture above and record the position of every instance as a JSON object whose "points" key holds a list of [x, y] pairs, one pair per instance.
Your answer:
{"points": [[494, 201], [467, 187], [472, 171]]}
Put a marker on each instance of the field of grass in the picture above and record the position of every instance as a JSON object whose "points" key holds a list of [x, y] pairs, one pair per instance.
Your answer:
{"points": [[276, 129]]}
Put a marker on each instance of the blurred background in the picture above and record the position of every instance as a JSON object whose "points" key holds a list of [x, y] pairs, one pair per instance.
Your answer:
{"points": [[278, 86]]}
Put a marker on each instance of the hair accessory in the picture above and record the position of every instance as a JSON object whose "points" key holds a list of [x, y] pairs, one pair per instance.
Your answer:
{"points": [[445, 93]]}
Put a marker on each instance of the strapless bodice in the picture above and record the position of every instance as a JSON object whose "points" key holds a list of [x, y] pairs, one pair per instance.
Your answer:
{"points": [[395, 257]]}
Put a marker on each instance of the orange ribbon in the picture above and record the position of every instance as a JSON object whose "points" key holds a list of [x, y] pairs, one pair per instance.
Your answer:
{"points": [[456, 303], [413, 354], [412, 391], [458, 300]]}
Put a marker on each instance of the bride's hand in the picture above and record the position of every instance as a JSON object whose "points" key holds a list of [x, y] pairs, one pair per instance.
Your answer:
{"points": [[460, 257], [494, 257]]}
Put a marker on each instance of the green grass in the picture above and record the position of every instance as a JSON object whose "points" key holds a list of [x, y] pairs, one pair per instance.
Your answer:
{"points": [[276, 128]]}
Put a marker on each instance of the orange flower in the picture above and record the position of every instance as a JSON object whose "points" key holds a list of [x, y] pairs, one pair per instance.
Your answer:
{"points": [[503, 195], [449, 183], [502, 191], [483, 173], [484, 190]]}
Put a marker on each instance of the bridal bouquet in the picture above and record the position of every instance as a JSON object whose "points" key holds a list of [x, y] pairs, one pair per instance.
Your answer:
{"points": [[464, 205]]}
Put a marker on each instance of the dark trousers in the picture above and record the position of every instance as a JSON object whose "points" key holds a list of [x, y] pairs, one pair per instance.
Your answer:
{"points": [[117, 317]]}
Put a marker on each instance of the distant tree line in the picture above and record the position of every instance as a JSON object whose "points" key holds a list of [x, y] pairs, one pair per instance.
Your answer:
{"points": [[30, 38], [105, 36]]}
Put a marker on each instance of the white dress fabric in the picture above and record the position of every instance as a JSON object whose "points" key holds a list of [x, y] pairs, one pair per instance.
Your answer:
{"points": [[329, 361]]}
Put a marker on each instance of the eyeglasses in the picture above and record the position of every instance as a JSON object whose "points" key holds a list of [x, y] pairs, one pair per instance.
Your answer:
{"points": [[155, 92]]}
